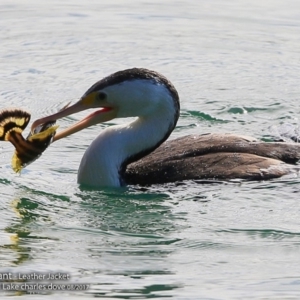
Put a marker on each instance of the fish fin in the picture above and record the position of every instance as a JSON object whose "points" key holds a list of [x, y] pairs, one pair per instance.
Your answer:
{"points": [[44, 134], [16, 163]]}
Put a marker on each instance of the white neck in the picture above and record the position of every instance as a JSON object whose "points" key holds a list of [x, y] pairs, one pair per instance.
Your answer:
{"points": [[102, 161]]}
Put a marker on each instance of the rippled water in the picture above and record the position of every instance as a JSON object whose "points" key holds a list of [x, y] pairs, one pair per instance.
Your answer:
{"points": [[236, 66]]}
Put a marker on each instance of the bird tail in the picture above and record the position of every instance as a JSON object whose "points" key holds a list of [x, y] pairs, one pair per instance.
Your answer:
{"points": [[286, 133]]}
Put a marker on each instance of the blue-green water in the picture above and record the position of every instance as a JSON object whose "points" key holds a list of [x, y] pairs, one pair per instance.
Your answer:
{"points": [[236, 66]]}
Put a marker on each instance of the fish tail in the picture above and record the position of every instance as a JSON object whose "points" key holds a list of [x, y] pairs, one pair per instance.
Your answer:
{"points": [[12, 121]]}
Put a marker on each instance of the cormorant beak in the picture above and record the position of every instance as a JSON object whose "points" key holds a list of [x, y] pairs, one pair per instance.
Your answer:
{"points": [[106, 113]]}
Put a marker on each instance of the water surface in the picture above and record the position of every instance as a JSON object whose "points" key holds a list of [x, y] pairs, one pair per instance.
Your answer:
{"points": [[236, 67]]}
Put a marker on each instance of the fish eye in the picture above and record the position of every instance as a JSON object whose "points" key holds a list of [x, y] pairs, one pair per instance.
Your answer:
{"points": [[102, 96]]}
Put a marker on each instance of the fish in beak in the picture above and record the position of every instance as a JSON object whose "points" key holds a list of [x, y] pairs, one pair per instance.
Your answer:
{"points": [[93, 100], [43, 131]]}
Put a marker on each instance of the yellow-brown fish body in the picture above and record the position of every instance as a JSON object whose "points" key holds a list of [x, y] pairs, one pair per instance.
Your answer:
{"points": [[12, 124]]}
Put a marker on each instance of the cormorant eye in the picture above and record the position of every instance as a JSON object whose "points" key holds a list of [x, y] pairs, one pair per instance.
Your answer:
{"points": [[102, 96]]}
